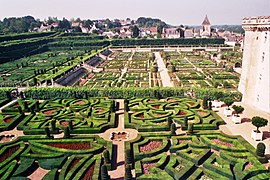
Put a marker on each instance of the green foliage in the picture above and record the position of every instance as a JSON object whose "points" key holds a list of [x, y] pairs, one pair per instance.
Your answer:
{"points": [[106, 155], [260, 151], [104, 173], [173, 129], [162, 92], [182, 41], [238, 109], [228, 101], [128, 174], [205, 103], [129, 159], [66, 132], [190, 127], [259, 122]]}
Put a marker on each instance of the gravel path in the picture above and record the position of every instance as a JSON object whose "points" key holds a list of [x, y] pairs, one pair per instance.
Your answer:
{"points": [[163, 71]]}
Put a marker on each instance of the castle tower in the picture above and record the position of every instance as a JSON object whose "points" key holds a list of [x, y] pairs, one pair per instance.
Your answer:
{"points": [[206, 27], [255, 77]]}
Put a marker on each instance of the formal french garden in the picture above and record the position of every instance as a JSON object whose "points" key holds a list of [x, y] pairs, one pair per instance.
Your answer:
{"points": [[62, 92]]}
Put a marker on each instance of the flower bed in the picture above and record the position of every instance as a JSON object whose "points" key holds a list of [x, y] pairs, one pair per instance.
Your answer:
{"points": [[249, 165], [8, 120], [77, 146], [49, 112], [181, 113], [80, 102], [147, 166], [222, 143], [8, 152], [150, 146], [73, 163], [89, 173], [180, 141]]}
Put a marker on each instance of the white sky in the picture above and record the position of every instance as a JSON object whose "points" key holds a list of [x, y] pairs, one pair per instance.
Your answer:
{"points": [[174, 12]]}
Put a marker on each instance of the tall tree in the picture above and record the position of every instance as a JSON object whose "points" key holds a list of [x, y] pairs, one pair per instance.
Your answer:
{"points": [[135, 31]]}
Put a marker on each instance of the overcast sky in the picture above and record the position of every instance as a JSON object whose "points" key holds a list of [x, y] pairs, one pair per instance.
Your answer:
{"points": [[174, 12]]}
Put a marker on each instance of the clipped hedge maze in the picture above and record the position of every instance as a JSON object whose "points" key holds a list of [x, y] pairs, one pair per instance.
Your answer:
{"points": [[62, 158], [200, 156], [82, 116], [147, 115]]}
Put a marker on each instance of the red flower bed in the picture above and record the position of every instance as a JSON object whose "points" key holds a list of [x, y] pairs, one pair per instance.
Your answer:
{"points": [[184, 140], [181, 113], [249, 165], [90, 75], [80, 102], [8, 152], [147, 166], [202, 113], [82, 82], [73, 163], [150, 146], [64, 123], [156, 106], [222, 143], [8, 120], [99, 110], [191, 103], [89, 172], [72, 146], [16, 105], [49, 112]]}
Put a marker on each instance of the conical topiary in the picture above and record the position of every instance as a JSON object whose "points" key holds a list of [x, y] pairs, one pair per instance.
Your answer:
{"points": [[260, 151], [104, 173], [106, 155], [128, 174], [173, 129]]}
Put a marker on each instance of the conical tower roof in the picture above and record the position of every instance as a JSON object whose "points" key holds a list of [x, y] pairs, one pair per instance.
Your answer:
{"points": [[206, 21]]}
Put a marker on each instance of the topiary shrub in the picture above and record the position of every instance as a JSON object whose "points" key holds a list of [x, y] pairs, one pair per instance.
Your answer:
{"points": [[205, 103], [186, 121], [129, 158], [47, 132], [228, 102], [128, 174], [66, 132], [190, 127], [53, 125], [259, 122], [170, 121], [70, 125], [106, 155], [210, 105], [173, 129], [113, 107], [238, 109], [104, 173], [260, 151]]}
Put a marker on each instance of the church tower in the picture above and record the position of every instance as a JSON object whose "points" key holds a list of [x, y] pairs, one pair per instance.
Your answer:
{"points": [[206, 27], [255, 77]]}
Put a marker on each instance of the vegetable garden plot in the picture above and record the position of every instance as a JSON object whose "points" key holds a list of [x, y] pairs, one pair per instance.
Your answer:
{"points": [[42, 66]]}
